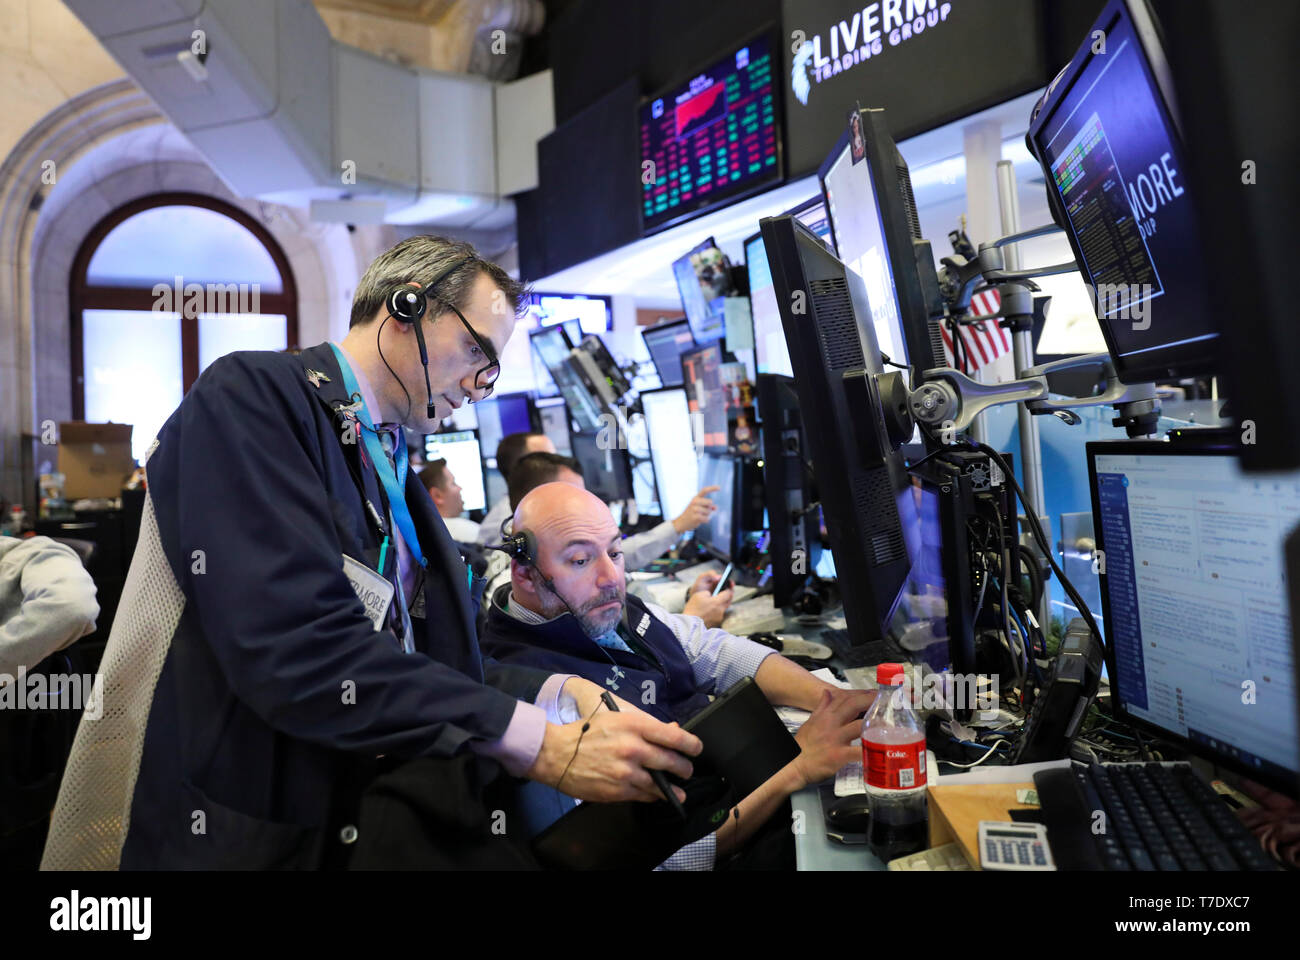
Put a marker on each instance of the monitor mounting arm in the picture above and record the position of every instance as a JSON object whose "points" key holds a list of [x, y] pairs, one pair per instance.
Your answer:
{"points": [[947, 398], [946, 395]]}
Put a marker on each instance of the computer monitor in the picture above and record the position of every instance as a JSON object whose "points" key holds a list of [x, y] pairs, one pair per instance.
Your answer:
{"points": [[1198, 635], [812, 214], [712, 137], [1108, 138], [702, 379], [770, 352], [704, 281], [553, 413], [606, 470], [718, 535], [500, 416], [465, 461], [672, 449], [554, 348], [873, 217], [666, 343], [586, 314], [612, 381], [865, 491], [787, 486]]}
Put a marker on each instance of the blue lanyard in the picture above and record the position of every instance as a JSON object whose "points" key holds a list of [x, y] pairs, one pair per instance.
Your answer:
{"points": [[392, 479]]}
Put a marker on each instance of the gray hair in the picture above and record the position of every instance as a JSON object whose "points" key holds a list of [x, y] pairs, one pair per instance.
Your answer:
{"points": [[421, 259]]}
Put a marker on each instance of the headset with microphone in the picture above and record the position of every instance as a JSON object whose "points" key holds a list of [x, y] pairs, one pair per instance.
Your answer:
{"points": [[408, 304], [521, 546]]}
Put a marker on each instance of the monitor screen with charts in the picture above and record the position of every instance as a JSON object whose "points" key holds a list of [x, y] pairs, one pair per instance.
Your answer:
{"points": [[712, 138], [1116, 174], [666, 343]]}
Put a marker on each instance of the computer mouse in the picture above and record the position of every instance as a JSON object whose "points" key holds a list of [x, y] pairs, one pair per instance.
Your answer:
{"points": [[768, 640], [849, 814]]}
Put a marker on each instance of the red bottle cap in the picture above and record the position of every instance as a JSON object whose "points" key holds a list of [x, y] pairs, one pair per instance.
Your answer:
{"points": [[888, 674]]}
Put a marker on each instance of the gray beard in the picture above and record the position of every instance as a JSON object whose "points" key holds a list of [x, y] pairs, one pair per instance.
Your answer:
{"points": [[553, 606]]}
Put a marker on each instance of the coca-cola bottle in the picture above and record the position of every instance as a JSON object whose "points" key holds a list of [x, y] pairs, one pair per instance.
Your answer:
{"points": [[893, 766]]}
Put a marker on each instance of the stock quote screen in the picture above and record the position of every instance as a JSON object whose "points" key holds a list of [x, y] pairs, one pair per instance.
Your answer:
{"points": [[710, 140]]}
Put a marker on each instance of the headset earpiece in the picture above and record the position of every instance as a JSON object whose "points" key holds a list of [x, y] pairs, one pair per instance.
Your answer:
{"points": [[521, 546], [406, 303]]}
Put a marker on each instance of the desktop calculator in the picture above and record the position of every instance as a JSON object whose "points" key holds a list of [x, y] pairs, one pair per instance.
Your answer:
{"points": [[1014, 846]]}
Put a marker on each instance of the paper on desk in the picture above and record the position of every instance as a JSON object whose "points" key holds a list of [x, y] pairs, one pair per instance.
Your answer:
{"points": [[793, 717], [834, 681]]}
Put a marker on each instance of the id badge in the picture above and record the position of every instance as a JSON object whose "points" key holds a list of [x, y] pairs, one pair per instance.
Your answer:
{"points": [[374, 592]]}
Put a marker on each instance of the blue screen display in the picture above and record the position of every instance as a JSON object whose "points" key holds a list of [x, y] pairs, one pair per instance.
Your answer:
{"points": [[1116, 164]]}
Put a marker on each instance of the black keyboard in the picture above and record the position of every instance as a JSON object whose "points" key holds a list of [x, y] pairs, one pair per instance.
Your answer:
{"points": [[866, 655], [1142, 816]]}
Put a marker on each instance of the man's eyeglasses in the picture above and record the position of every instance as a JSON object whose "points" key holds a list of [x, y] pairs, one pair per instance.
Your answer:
{"points": [[486, 377]]}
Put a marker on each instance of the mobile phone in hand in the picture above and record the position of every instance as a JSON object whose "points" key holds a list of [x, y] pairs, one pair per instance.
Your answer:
{"points": [[723, 582]]}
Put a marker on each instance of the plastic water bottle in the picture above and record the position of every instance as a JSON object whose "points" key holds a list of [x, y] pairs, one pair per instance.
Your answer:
{"points": [[893, 766]]}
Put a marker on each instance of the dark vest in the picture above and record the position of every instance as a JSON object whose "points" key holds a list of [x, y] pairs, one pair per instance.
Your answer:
{"points": [[661, 682]]}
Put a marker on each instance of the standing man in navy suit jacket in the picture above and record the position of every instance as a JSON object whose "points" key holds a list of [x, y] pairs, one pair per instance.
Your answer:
{"points": [[297, 618]]}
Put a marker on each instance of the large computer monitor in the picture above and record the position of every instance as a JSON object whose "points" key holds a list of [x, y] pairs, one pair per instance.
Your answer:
{"points": [[606, 470], [554, 348], [865, 490], [666, 343], [873, 217], [672, 448], [464, 460], [718, 536], [1194, 595], [702, 379], [1107, 135], [704, 281], [712, 137]]}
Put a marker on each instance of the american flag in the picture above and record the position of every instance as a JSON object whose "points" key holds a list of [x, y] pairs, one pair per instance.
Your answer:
{"points": [[982, 343]]}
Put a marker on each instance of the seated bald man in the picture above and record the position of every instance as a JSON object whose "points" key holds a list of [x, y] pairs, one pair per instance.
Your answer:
{"points": [[535, 469], [565, 612]]}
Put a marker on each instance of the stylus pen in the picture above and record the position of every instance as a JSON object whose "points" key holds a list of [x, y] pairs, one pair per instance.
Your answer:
{"points": [[656, 775]]}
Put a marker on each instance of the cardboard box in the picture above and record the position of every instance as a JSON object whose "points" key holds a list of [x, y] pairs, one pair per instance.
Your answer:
{"points": [[95, 458]]}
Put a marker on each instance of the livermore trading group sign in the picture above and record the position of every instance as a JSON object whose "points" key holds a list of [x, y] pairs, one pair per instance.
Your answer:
{"points": [[925, 61], [860, 38]]}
